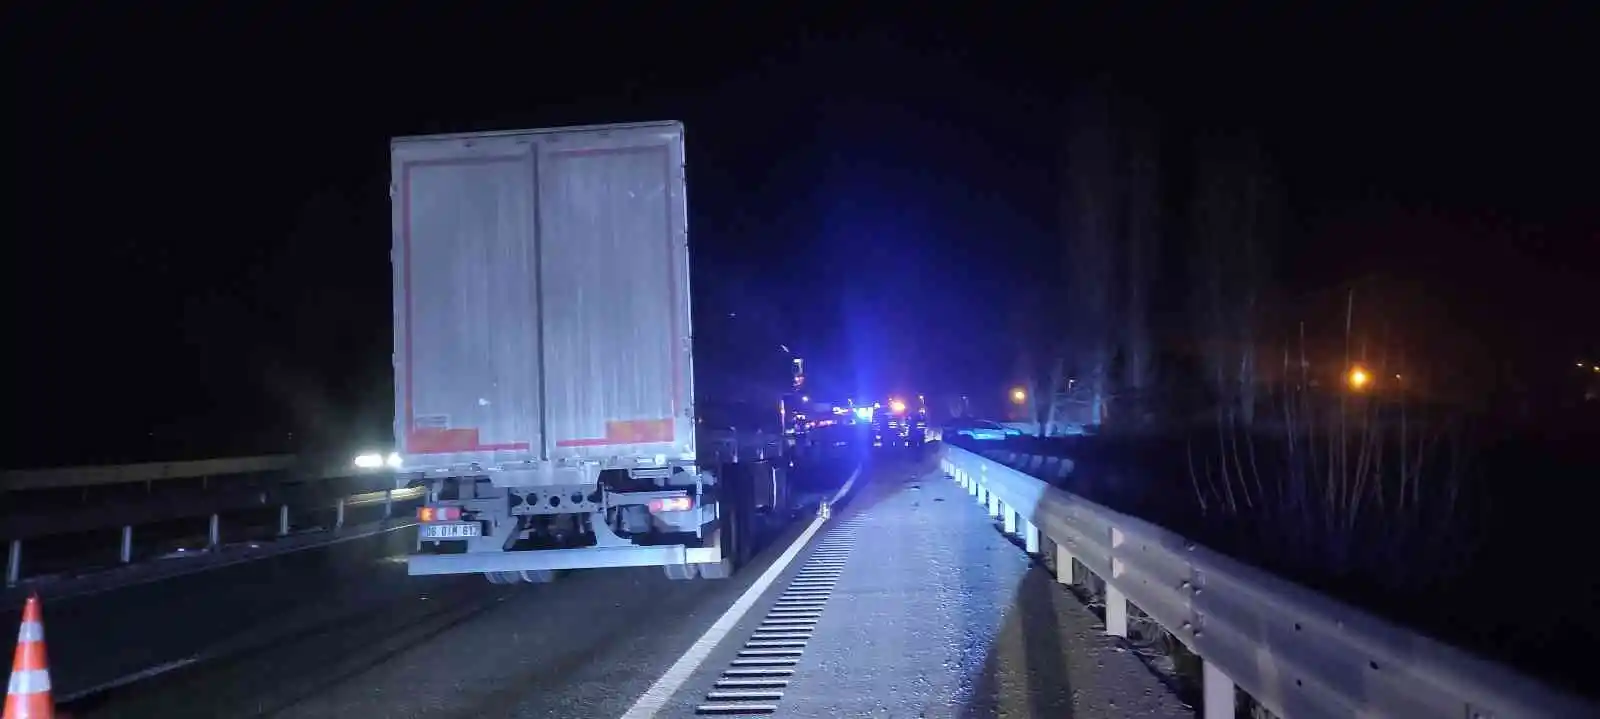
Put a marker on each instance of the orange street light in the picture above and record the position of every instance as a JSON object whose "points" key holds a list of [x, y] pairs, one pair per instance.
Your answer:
{"points": [[1358, 378], [1018, 395]]}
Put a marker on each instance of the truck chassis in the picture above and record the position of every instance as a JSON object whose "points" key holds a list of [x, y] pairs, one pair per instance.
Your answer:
{"points": [[524, 524]]}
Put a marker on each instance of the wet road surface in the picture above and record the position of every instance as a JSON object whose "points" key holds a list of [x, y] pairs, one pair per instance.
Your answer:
{"points": [[343, 631], [905, 603], [919, 608]]}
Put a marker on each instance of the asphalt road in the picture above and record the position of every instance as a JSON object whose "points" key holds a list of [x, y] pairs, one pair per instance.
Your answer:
{"points": [[929, 612], [343, 631], [922, 610]]}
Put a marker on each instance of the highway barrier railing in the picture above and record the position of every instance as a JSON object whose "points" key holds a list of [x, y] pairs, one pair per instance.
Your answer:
{"points": [[49, 503], [1296, 652]]}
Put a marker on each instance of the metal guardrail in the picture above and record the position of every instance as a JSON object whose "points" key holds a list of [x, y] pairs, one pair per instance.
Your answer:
{"points": [[16, 480], [226, 485], [1296, 652]]}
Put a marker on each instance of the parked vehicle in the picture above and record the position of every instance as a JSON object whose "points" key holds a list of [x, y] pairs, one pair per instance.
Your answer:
{"points": [[982, 429], [544, 384]]}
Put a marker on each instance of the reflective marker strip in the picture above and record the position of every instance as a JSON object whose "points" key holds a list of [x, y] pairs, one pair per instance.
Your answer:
{"points": [[30, 632], [849, 483], [33, 681], [656, 697]]}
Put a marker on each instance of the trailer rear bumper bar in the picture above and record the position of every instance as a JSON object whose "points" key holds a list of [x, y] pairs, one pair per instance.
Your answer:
{"points": [[586, 558]]}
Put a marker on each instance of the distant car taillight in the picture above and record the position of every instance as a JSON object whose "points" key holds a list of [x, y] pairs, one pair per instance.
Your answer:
{"points": [[671, 504], [438, 514]]}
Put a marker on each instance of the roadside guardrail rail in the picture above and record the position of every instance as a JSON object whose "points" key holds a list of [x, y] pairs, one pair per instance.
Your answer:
{"points": [[44, 503], [1298, 653]]}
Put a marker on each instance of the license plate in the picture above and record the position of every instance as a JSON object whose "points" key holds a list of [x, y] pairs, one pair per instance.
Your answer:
{"points": [[452, 531]]}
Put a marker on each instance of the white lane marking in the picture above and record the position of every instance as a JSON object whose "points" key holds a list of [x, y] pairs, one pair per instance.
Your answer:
{"points": [[851, 482], [659, 693], [159, 669], [138, 676]]}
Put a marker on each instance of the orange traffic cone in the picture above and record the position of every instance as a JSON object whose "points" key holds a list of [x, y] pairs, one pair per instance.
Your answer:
{"points": [[28, 692]]}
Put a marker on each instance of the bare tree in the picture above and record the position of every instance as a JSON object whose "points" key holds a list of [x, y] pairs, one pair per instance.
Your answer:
{"points": [[1092, 190], [1035, 323], [1111, 214], [1140, 245], [1235, 221]]}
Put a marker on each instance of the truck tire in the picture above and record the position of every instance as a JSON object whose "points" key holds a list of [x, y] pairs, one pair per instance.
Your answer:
{"points": [[717, 570], [525, 576], [681, 572]]}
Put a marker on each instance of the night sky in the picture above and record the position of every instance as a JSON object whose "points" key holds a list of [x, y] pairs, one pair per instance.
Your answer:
{"points": [[198, 256]]}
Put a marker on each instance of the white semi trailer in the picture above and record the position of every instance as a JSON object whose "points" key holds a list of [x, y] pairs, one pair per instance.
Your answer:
{"points": [[544, 384]]}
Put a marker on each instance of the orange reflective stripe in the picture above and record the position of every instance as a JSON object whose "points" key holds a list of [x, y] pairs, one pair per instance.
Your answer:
{"points": [[28, 657], [30, 611], [29, 706], [28, 689]]}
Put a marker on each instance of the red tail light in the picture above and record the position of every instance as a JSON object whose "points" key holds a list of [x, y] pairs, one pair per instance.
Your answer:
{"points": [[438, 514], [671, 504]]}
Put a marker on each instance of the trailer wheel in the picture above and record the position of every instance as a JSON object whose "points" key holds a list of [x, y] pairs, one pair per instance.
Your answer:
{"points": [[717, 570], [680, 572], [525, 576]]}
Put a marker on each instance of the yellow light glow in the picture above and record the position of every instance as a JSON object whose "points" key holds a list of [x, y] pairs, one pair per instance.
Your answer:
{"points": [[1359, 378], [1018, 395]]}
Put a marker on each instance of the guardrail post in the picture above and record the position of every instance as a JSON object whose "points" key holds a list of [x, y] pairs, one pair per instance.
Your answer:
{"points": [[994, 504], [1030, 536], [1009, 519], [1216, 692], [1116, 601], [126, 553], [1063, 563], [14, 563], [388, 503], [214, 533], [338, 515], [283, 520]]}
